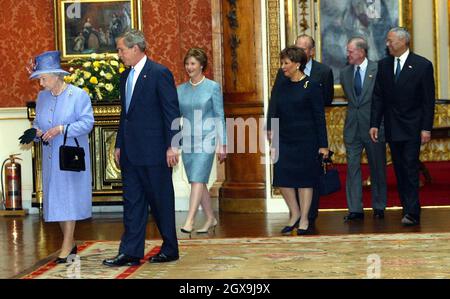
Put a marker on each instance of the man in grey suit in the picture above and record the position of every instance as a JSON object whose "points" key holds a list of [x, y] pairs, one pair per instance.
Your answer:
{"points": [[358, 81]]}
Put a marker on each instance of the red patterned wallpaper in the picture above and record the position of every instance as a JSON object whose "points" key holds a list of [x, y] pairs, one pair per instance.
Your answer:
{"points": [[170, 26]]}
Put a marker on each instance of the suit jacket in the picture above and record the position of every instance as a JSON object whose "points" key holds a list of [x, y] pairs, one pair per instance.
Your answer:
{"points": [[406, 105], [145, 132], [357, 120]]}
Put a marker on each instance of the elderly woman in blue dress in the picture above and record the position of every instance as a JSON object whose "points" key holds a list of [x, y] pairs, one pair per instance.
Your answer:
{"points": [[204, 135], [62, 107]]}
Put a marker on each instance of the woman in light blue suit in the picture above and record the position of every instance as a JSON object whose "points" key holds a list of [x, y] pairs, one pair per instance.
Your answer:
{"points": [[204, 134]]}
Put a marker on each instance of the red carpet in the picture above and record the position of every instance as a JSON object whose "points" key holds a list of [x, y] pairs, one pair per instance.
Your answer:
{"points": [[436, 193]]}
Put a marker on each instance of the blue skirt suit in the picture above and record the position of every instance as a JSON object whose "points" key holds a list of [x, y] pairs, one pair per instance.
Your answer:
{"points": [[201, 107], [302, 131]]}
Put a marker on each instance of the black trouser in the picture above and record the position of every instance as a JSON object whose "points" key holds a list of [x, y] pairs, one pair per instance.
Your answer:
{"points": [[145, 186], [405, 158]]}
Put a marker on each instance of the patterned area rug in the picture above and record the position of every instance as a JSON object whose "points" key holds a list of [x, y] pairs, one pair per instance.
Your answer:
{"points": [[343, 256]]}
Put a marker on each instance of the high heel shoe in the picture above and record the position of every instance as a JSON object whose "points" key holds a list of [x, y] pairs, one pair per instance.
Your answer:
{"points": [[206, 230], [63, 260], [287, 230], [303, 232], [185, 231]]}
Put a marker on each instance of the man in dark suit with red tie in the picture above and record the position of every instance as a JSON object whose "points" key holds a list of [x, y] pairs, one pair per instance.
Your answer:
{"points": [[145, 152], [404, 96]]}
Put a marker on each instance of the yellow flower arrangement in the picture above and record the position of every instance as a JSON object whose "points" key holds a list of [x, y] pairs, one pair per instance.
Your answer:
{"points": [[98, 75]]}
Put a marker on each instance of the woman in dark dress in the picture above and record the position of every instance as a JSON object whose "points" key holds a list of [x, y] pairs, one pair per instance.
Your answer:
{"points": [[300, 138]]}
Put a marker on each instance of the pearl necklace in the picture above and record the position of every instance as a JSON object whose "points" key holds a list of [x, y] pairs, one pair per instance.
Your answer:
{"points": [[198, 83]]}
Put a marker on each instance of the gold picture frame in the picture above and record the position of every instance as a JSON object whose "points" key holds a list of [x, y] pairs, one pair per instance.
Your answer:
{"points": [[83, 27], [316, 26]]}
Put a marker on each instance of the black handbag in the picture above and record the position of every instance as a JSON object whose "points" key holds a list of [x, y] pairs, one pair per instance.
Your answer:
{"points": [[329, 181], [71, 158]]}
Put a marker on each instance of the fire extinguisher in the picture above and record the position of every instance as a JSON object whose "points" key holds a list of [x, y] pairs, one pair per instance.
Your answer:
{"points": [[12, 194]]}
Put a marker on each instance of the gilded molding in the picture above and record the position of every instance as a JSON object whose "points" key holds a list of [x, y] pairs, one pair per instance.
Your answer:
{"points": [[303, 23], [273, 38]]}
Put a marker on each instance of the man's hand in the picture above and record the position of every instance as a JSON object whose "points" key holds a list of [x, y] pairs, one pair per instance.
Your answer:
{"points": [[373, 132], [172, 156], [117, 157], [425, 136]]}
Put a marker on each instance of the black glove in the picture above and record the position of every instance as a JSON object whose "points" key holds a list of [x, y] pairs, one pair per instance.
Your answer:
{"points": [[29, 136]]}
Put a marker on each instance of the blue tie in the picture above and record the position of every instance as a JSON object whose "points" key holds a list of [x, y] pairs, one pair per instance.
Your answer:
{"points": [[358, 83], [397, 70], [129, 91]]}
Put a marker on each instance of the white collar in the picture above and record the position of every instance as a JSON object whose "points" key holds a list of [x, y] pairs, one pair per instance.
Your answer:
{"points": [[403, 57], [363, 65], [140, 65]]}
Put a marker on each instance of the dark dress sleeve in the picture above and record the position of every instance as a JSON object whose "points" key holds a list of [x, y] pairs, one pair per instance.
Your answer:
{"points": [[318, 111], [328, 88], [272, 111]]}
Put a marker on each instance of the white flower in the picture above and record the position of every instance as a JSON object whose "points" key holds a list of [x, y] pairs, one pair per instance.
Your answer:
{"points": [[94, 56], [109, 87]]}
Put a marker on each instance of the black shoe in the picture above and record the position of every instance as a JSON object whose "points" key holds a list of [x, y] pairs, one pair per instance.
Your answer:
{"points": [[162, 258], [378, 214], [302, 232], [354, 216], [63, 260], [287, 230], [410, 220], [122, 260]]}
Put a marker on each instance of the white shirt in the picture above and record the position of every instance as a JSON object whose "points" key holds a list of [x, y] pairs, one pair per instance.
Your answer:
{"points": [[402, 60], [362, 70], [308, 68], [137, 70]]}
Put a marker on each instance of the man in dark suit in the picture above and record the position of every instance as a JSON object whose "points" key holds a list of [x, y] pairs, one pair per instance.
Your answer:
{"points": [[323, 75], [404, 97], [358, 81], [145, 152]]}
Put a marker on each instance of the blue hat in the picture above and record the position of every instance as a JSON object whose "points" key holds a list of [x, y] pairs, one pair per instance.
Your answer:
{"points": [[47, 63]]}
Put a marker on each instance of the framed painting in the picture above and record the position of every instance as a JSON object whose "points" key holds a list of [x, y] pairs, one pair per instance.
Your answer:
{"points": [[83, 27], [338, 21]]}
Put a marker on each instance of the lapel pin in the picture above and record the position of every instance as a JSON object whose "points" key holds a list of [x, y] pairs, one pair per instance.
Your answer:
{"points": [[145, 76], [370, 76], [410, 66], [306, 84]]}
